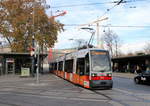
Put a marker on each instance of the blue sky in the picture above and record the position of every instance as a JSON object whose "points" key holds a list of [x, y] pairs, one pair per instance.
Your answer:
{"points": [[125, 14]]}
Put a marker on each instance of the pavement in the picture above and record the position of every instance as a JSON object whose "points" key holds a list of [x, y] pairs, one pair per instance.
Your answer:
{"points": [[51, 91], [54, 91], [124, 75]]}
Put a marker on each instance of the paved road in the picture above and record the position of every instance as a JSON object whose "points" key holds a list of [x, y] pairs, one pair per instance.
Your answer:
{"points": [[54, 91], [126, 93]]}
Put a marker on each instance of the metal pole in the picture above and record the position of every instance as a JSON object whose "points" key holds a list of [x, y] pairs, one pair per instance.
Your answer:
{"points": [[99, 41], [42, 61], [98, 35], [6, 67], [33, 60], [38, 64], [90, 39]]}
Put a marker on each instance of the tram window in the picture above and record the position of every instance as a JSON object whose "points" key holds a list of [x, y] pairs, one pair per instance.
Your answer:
{"points": [[51, 66], [80, 66], [60, 66], [69, 66], [55, 66], [87, 65]]}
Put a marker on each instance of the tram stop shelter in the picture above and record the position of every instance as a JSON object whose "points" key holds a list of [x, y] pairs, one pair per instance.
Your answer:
{"points": [[131, 63], [11, 63]]}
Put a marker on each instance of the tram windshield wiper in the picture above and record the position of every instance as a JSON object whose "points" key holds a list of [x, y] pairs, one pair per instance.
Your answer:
{"points": [[101, 70]]}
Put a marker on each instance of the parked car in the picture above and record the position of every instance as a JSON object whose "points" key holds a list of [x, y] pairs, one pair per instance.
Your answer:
{"points": [[143, 77]]}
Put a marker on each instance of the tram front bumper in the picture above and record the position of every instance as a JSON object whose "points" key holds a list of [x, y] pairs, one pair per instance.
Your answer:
{"points": [[101, 83]]}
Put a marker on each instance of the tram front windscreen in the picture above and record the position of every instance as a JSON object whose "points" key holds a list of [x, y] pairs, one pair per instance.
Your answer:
{"points": [[100, 61]]}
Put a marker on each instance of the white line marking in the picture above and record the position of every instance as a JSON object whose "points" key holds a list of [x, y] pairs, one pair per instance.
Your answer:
{"points": [[65, 98], [131, 93], [123, 91]]}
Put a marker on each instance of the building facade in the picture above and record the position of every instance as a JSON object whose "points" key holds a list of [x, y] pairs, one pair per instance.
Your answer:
{"points": [[133, 64], [11, 63]]}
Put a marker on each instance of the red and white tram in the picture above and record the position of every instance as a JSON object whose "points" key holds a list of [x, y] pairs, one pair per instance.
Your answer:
{"points": [[90, 68]]}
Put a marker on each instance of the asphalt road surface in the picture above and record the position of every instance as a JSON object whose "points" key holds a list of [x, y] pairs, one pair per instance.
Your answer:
{"points": [[54, 91]]}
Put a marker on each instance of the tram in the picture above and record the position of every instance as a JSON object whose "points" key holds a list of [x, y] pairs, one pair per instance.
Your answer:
{"points": [[90, 68]]}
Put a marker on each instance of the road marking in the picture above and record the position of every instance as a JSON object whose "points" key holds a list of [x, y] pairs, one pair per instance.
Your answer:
{"points": [[131, 93], [115, 103], [1, 92], [51, 80], [123, 91], [99, 93], [60, 97]]}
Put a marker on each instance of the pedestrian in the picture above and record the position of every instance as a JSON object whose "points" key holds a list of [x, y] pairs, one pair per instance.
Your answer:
{"points": [[138, 69]]}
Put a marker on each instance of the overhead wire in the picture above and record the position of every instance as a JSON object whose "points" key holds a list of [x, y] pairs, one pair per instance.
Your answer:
{"points": [[75, 5], [128, 26], [108, 10], [83, 4], [86, 4], [117, 3], [139, 0]]}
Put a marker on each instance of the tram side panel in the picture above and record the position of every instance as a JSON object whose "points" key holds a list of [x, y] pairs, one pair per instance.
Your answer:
{"points": [[71, 73]]}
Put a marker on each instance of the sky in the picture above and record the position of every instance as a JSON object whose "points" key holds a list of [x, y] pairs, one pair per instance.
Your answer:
{"points": [[132, 13]]}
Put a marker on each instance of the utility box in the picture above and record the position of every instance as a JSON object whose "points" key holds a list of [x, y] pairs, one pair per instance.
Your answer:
{"points": [[25, 72]]}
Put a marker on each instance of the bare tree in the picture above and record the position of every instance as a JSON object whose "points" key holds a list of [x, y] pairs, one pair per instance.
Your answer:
{"points": [[79, 43], [117, 44], [147, 48], [112, 41]]}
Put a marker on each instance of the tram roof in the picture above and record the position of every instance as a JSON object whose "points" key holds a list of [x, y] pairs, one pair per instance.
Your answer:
{"points": [[79, 54]]}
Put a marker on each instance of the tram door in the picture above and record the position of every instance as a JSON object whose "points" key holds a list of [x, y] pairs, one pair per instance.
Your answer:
{"points": [[10, 66]]}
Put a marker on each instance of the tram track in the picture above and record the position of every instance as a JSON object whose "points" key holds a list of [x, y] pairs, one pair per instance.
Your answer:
{"points": [[99, 93], [110, 100], [21, 94], [8, 104], [119, 102]]}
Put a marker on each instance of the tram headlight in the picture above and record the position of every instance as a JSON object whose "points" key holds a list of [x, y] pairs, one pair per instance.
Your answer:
{"points": [[109, 74], [94, 74]]}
